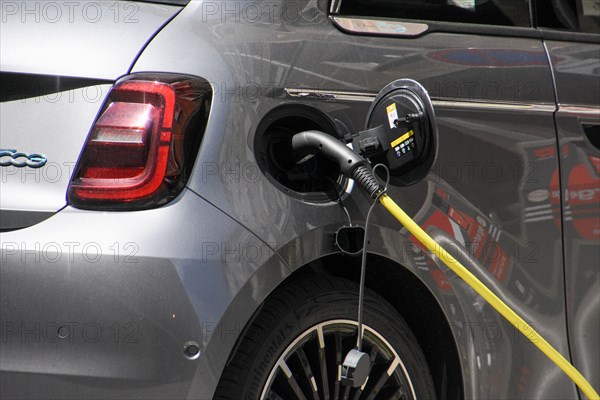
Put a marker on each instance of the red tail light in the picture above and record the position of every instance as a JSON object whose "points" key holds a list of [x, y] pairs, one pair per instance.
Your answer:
{"points": [[140, 150]]}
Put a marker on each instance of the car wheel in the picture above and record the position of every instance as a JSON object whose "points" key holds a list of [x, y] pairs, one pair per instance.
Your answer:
{"points": [[296, 344]]}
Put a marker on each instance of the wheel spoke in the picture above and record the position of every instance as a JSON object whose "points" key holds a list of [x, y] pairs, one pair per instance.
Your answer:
{"points": [[308, 372], [273, 396], [358, 392], [398, 394], [338, 364], [346, 392], [292, 381], [382, 380], [323, 363]]}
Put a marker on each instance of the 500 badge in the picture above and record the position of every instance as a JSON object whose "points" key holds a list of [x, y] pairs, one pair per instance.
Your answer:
{"points": [[20, 160]]}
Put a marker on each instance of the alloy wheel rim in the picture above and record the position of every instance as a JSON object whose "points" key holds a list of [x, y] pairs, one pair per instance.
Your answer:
{"points": [[316, 356]]}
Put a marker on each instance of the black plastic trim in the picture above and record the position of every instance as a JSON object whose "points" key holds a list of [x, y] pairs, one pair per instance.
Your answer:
{"points": [[19, 86], [568, 36]]}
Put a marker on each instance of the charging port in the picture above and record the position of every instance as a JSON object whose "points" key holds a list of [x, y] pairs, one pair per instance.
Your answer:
{"points": [[318, 179]]}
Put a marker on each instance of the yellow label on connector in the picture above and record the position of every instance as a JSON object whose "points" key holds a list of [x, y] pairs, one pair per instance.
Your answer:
{"points": [[392, 115], [402, 138]]}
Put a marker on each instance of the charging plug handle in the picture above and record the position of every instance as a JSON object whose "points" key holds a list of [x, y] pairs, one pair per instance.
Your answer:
{"points": [[314, 142], [351, 164]]}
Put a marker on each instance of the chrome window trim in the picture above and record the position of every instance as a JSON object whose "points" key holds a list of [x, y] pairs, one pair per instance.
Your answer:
{"points": [[588, 111], [375, 26], [330, 95]]}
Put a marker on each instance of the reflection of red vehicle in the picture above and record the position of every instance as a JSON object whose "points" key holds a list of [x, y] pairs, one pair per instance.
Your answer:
{"points": [[581, 196], [478, 236]]}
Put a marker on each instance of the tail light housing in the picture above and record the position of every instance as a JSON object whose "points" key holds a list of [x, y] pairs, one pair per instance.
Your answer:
{"points": [[140, 151]]}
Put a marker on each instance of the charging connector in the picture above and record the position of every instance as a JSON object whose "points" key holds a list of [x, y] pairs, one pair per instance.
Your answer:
{"points": [[309, 143]]}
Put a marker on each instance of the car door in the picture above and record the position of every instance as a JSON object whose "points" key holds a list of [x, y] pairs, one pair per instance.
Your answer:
{"points": [[571, 32], [488, 74]]}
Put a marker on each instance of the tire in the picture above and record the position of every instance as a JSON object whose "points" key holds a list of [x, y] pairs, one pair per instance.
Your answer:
{"points": [[300, 319]]}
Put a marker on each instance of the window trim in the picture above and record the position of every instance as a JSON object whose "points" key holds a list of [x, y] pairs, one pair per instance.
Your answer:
{"points": [[561, 34], [379, 26], [415, 27], [343, 24], [569, 36]]}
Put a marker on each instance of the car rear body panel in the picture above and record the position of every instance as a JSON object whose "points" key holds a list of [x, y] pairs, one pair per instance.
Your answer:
{"points": [[92, 39], [58, 62], [103, 303], [55, 125]]}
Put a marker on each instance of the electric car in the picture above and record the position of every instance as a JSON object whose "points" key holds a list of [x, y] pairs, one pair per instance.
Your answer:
{"points": [[160, 240]]}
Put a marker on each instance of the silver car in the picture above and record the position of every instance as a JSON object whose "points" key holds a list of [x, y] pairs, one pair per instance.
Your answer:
{"points": [[160, 241]]}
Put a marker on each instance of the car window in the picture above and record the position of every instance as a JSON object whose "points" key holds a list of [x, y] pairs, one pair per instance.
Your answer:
{"points": [[572, 15], [491, 12]]}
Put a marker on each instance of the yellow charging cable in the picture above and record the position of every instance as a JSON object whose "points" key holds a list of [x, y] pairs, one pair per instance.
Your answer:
{"points": [[489, 296]]}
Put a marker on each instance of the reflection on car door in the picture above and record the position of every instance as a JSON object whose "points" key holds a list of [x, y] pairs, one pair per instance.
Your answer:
{"points": [[572, 36], [487, 71]]}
